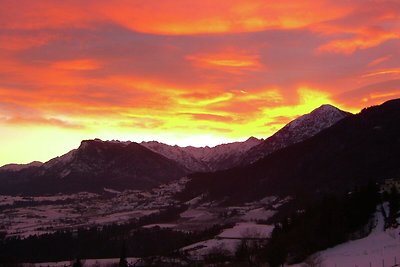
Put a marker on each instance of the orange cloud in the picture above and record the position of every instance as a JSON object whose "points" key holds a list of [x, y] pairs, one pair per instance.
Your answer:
{"points": [[382, 72], [227, 61], [78, 64], [379, 60], [14, 42], [42, 121], [210, 117], [370, 94], [168, 17], [363, 41]]}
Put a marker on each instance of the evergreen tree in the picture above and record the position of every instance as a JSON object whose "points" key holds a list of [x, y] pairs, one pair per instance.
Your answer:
{"points": [[122, 261], [394, 207], [77, 263]]}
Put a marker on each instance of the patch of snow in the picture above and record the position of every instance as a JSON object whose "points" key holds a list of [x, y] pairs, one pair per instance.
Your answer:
{"points": [[194, 201], [65, 173], [258, 214], [109, 190], [268, 200], [64, 159], [247, 230], [198, 215], [205, 247], [122, 216]]}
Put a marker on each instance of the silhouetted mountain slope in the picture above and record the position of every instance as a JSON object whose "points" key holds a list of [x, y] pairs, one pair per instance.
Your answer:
{"points": [[94, 165], [296, 131], [355, 150]]}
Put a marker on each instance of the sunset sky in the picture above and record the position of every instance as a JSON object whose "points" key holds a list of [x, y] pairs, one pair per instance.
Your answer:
{"points": [[188, 72]]}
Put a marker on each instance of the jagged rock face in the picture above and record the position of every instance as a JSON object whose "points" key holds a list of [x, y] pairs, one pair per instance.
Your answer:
{"points": [[296, 131], [178, 154], [198, 159]]}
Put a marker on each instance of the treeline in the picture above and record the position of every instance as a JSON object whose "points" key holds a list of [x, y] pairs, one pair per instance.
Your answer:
{"points": [[332, 221], [103, 242]]}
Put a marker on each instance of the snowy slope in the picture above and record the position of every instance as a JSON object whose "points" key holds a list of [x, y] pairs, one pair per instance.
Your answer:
{"points": [[178, 154], [378, 247], [205, 158], [296, 131]]}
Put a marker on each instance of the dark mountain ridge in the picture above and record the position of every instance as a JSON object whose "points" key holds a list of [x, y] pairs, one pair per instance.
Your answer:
{"points": [[352, 152], [93, 166]]}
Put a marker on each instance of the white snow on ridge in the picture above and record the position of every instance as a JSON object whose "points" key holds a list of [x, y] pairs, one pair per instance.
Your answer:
{"points": [[202, 158], [66, 158]]}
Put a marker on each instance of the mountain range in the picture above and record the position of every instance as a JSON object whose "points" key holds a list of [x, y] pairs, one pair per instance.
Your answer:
{"points": [[97, 164], [358, 149], [225, 156]]}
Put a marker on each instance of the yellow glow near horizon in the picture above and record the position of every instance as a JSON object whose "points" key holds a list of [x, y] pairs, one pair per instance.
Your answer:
{"points": [[46, 142], [198, 72]]}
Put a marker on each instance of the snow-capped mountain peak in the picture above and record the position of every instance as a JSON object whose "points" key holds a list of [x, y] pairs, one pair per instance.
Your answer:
{"points": [[296, 131]]}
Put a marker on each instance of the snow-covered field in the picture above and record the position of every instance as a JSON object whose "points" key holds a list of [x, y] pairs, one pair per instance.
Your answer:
{"points": [[258, 214], [247, 230], [24, 216], [197, 214], [212, 245]]}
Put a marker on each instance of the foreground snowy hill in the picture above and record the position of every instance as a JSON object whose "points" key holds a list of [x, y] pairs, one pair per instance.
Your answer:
{"points": [[380, 248]]}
